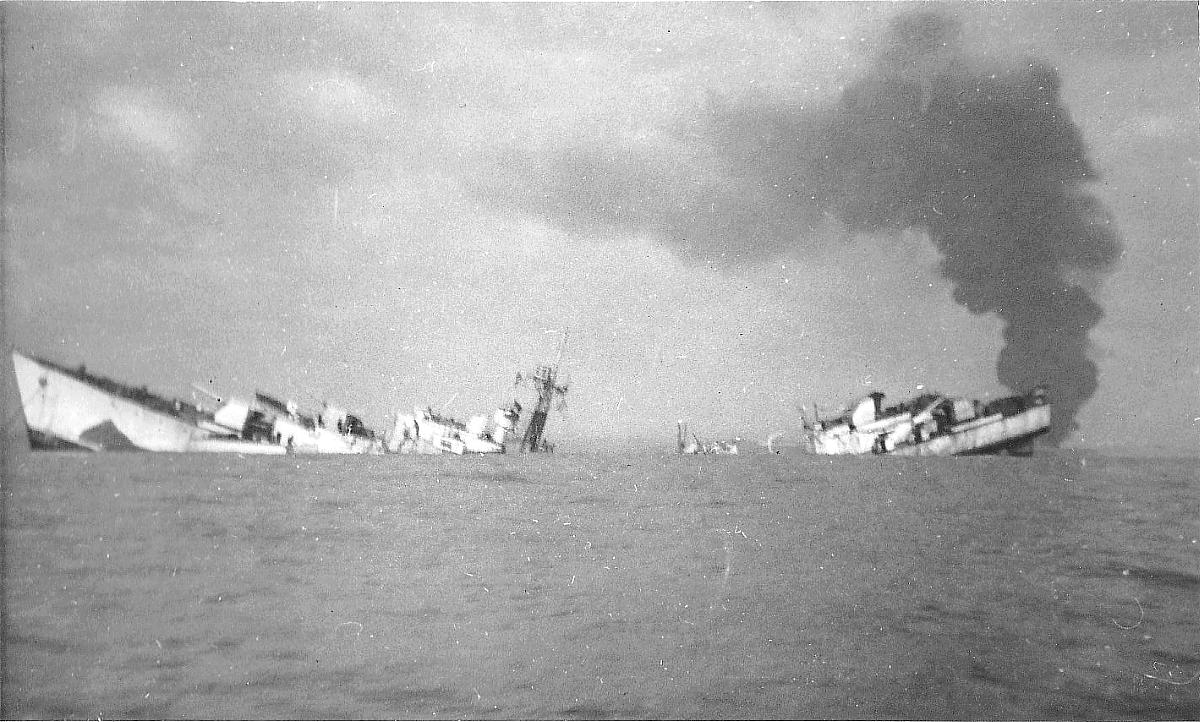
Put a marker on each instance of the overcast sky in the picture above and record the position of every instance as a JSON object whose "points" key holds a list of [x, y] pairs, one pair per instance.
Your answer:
{"points": [[389, 205]]}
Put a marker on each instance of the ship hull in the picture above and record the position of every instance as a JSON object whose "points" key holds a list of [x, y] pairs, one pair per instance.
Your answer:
{"points": [[1007, 434], [942, 428], [62, 411]]}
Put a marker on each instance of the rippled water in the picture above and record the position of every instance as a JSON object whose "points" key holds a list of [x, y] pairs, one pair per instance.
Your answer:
{"points": [[593, 586]]}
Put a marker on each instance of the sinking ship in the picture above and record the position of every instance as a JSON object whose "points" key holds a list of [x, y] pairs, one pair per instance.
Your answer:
{"points": [[70, 408], [933, 425], [428, 432], [686, 442], [272, 421]]}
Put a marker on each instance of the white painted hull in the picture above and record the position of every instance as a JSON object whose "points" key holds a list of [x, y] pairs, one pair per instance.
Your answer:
{"points": [[907, 434], [426, 433], [321, 440], [60, 407], [1008, 431], [235, 446]]}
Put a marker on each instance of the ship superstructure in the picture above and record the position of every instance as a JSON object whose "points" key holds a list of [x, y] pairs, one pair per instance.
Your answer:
{"points": [[269, 420], [932, 424], [545, 382], [74, 409], [428, 432], [686, 442]]}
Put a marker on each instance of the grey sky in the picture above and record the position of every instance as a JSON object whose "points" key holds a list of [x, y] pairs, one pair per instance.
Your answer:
{"points": [[367, 203]]}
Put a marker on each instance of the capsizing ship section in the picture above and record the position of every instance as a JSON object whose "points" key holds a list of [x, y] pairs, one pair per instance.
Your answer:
{"points": [[72, 409], [933, 425]]}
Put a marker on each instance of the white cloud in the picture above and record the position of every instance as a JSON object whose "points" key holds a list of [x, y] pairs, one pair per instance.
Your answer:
{"points": [[337, 97], [135, 117]]}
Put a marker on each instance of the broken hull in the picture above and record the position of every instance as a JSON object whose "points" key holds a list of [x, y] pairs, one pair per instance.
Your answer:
{"points": [[932, 429], [62, 411], [320, 440], [442, 445], [1008, 433], [426, 432]]}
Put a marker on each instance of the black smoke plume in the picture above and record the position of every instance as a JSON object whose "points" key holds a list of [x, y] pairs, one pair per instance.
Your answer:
{"points": [[990, 164], [983, 157]]}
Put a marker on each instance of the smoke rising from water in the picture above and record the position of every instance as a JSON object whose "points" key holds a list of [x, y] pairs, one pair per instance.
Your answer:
{"points": [[991, 165], [983, 157]]}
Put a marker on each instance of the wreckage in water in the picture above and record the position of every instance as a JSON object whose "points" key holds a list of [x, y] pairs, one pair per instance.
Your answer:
{"points": [[271, 421], [686, 442], [933, 425], [428, 432], [72, 409]]}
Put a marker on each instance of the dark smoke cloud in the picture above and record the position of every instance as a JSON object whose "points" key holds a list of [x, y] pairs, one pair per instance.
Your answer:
{"points": [[991, 165], [984, 158]]}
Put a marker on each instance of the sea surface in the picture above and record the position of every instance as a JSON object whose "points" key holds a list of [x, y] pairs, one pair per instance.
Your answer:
{"points": [[1064, 585]]}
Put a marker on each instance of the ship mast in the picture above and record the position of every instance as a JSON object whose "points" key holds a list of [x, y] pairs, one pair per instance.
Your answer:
{"points": [[544, 381]]}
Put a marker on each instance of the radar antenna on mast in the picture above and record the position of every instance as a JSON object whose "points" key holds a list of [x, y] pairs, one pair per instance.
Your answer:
{"points": [[543, 380]]}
